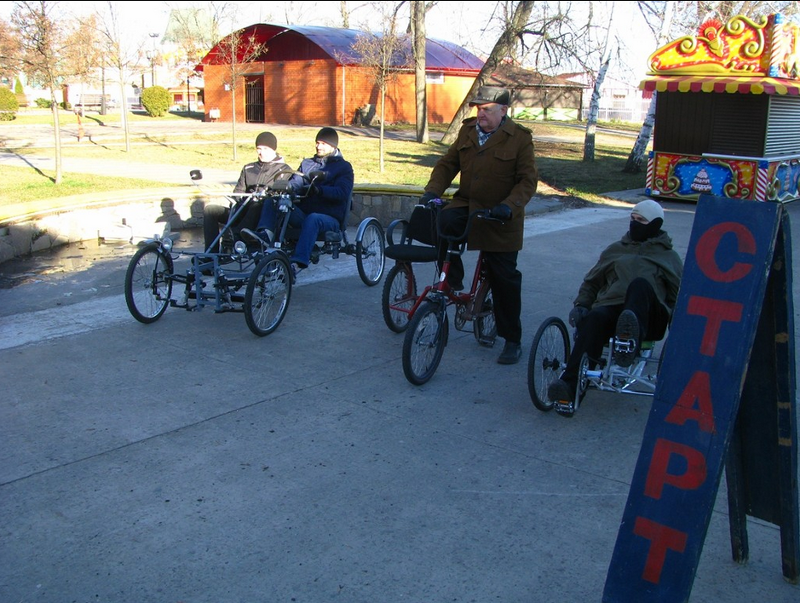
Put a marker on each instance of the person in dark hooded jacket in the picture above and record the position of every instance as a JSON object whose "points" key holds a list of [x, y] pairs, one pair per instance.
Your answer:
{"points": [[630, 294], [321, 205]]}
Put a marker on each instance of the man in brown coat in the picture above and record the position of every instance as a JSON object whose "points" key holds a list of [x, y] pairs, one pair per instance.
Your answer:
{"points": [[495, 158]]}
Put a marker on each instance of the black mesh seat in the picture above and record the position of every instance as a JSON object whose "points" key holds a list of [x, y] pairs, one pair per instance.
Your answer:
{"points": [[418, 239]]}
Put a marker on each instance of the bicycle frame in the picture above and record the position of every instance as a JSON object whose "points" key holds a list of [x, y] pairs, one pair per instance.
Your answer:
{"points": [[441, 290], [609, 376]]}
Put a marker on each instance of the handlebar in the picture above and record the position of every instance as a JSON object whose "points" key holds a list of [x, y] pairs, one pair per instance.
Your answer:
{"points": [[481, 214]]}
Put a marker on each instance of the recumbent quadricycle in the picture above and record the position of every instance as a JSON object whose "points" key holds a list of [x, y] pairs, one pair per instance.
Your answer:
{"points": [[254, 280]]}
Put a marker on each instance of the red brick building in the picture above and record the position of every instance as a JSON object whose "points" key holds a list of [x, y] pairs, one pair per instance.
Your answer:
{"points": [[313, 76]]}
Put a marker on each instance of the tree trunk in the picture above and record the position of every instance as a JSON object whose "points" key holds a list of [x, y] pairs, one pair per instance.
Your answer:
{"points": [[418, 28], [124, 116], [594, 109], [57, 134], [503, 48], [383, 111], [636, 159], [233, 117]]}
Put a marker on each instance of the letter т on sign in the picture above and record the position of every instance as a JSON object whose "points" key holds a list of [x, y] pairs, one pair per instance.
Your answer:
{"points": [[733, 295]]}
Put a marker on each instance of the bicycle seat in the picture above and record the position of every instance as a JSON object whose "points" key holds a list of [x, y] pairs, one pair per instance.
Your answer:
{"points": [[418, 239]]}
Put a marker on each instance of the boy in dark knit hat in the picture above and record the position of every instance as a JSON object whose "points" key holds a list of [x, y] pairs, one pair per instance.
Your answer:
{"points": [[629, 294], [320, 206], [254, 176]]}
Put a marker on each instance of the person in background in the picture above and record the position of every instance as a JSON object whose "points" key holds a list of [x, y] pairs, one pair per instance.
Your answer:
{"points": [[630, 294], [495, 158], [254, 177]]}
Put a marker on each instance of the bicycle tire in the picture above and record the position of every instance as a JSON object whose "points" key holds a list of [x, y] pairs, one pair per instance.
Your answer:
{"points": [[484, 326], [547, 360], [399, 296], [148, 286], [424, 342], [370, 258], [268, 293]]}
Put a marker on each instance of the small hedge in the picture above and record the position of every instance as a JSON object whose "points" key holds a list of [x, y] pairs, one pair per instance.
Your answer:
{"points": [[155, 101], [8, 104]]}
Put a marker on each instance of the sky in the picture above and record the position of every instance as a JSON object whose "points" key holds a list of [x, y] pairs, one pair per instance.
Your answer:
{"points": [[467, 24]]}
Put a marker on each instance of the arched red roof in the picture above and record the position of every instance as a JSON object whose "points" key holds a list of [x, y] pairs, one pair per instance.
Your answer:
{"points": [[299, 43]]}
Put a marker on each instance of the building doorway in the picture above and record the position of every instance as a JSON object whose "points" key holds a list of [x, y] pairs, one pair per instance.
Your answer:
{"points": [[254, 99]]}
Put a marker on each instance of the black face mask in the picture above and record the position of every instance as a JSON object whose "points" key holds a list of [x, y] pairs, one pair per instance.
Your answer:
{"points": [[641, 232]]}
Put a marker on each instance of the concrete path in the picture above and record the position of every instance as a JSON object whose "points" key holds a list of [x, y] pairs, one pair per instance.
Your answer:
{"points": [[189, 460]]}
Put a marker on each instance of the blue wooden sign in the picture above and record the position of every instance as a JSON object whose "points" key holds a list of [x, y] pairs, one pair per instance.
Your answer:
{"points": [[695, 405]]}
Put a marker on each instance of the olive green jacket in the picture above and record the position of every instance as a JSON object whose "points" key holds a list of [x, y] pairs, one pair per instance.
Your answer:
{"points": [[621, 262], [503, 170]]}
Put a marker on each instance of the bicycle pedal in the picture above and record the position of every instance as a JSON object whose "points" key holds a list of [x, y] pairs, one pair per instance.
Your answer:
{"points": [[565, 408]]}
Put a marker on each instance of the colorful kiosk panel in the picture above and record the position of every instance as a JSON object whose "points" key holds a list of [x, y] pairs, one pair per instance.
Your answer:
{"points": [[727, 112]]}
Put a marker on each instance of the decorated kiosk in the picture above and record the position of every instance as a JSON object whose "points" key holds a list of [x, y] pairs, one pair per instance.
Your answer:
{"points": [[727, 112]]}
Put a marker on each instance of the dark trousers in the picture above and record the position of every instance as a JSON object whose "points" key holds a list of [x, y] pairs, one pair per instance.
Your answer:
{"points": [[600, 324], [501, 266], [215, 216]]}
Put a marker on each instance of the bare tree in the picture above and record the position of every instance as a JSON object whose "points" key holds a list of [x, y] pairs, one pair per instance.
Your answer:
{"points": [[235, 51], [196, 29], [83, 55], [417, 26], [42, 44], [504, 47], [386, 54], [607, 48], [122, 54], [636, 158]]}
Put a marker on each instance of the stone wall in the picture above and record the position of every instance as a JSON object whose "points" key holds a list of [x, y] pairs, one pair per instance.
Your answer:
{"points": [[386, 203], [143, 215]]}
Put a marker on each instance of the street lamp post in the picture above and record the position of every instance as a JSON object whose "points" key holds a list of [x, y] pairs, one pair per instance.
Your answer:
{"points": [[152, 56]]}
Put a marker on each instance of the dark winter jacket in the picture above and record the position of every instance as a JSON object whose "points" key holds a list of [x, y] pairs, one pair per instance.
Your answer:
{"points": [[621, 262], [334, 190], [503, 170], [261, 174]]}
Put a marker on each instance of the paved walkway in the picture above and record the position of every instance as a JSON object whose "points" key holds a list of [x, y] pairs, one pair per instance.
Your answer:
{"points": [[189, 460]]}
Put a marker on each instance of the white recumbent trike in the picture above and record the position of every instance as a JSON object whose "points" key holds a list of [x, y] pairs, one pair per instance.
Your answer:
{"points": [[548, 358]]}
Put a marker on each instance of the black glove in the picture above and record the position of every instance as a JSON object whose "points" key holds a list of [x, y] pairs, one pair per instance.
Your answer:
{"points": [[309, 190], [577, 314], [501, 211], [427, 198]]}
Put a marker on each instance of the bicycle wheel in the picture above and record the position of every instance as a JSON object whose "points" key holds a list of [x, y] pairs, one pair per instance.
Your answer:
{"points": [[484, 326], [148, 285], [547, 359], [267, 296], [399, 296], [369, 251], [424, 343]]}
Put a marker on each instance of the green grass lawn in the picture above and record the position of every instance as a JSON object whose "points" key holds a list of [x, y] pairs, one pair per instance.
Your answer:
{"points": [[560, 164]]}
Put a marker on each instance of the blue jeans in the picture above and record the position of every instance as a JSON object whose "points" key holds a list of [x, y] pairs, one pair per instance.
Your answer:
{"points": [[311, 226]]}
